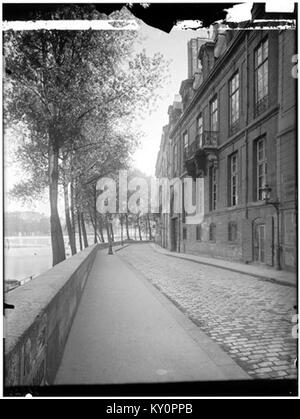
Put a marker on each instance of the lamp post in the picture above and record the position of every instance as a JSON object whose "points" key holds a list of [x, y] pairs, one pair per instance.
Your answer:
{"points": [[110, 252], [121, 222], [266, 195]]}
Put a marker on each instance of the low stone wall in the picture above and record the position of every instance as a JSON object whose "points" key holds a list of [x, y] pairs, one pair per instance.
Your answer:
{"points": [[37, 329]]}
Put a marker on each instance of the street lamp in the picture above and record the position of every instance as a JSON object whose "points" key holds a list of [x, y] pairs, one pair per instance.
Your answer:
{"points": [[266, 195]]}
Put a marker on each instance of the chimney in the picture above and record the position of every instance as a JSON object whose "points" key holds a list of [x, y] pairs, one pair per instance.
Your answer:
{"points": [[194, 64], [220, 40]]}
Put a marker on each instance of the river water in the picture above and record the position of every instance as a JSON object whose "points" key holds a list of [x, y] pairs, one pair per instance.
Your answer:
{"points": [[27, 256]]}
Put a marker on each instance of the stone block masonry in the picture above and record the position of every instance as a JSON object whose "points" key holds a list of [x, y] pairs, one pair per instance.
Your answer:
{"points": [[38, 327]]}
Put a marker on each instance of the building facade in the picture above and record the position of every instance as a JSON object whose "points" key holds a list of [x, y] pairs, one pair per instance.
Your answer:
{"points": [[237, 131], [164, 169]]}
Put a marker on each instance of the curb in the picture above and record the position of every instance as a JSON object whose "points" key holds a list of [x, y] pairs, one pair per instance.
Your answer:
{"points": [[229, 367], [122, 247], [260, 277]]}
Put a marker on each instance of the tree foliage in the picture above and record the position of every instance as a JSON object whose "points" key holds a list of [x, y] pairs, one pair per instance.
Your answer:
{"points": [[78, 93]]}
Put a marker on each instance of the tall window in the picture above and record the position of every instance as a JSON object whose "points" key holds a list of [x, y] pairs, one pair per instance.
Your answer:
{"points": [[261, 167], [212, 232], [200, 131], [213, 188], [175, 157], [183, 204], [194, 192], [185, 145], [261, 77], [233, 179], [234, 101], [214, 114], [160, 199], [198, 233]]}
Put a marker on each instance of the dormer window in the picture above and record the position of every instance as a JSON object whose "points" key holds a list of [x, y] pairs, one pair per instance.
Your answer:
{"points": [[206, 56]]}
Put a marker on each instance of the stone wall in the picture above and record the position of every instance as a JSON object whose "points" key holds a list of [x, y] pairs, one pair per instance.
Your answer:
{"points": [[37, 329]]}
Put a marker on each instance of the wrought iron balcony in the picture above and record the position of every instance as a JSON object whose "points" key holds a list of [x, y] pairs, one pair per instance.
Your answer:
{"points": [[201, 153], [191, 150], [210, 140], [261, 106], [234, 127]]}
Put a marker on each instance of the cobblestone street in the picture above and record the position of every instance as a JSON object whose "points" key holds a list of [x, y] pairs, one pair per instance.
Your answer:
{"points": [[250, 319]]}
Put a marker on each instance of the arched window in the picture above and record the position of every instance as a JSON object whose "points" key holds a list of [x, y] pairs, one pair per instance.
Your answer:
{"points": [[212, 232]]}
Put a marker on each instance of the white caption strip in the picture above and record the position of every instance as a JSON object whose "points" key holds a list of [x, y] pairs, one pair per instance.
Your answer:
{"points": [[76, 25]]}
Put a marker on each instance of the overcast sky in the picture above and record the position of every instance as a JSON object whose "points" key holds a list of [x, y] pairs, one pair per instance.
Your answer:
{"points": [[173, 46]]}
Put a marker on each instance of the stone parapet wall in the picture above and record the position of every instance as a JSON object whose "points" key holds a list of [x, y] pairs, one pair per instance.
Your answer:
{"points": [[37, 329]]}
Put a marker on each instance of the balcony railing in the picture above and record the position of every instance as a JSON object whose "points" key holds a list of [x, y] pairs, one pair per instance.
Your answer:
{"points": [[192, 149], [234, 127], [261, 105], [210, 139], [201, 152]]}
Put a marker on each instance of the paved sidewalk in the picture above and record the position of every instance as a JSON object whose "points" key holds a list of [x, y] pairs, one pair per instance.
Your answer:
{"points": [[249, 318], [126, 331], [260, 272]]}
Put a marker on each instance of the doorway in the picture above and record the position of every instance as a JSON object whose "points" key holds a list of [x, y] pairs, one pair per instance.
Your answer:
{"points": [[259, 243], [174, 233]]}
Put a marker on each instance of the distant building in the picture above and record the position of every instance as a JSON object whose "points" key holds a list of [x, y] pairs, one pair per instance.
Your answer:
{"points": [[237, 130], [164, 168]]}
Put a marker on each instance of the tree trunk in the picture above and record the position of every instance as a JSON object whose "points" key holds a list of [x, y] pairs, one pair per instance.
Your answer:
{"points": [[146, 227], [100, 229], [122, 235], [108, 230], [73, 210], [94, 227], [79, 229], [149, 226], [95, 235], [85, 240], [57, 239], [112, 232], [127, 226], [139, 229], [68, 220], [95, 214]]}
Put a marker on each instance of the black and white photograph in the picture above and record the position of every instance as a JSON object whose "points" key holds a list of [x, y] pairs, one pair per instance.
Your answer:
{"points": [[150, 203]]}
